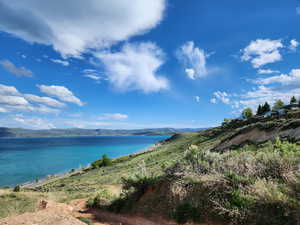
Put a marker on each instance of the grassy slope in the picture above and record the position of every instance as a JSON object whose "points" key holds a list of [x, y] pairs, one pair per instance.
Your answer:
{"points": [[176, 151], [164, 156]]}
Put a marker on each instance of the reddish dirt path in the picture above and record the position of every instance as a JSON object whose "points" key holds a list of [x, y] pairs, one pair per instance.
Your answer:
{"points": [[105, 218], [100, 217], [52, 213]]}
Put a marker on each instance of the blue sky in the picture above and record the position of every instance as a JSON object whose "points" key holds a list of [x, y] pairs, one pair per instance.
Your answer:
{"points": [[141, 64]]}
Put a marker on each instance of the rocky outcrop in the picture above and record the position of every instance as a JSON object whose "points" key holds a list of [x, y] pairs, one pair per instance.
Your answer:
{"points": [[261, 132]]}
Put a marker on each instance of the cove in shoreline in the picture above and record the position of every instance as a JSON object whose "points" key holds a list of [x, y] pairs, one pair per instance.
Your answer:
{"points": [[25, 160]]}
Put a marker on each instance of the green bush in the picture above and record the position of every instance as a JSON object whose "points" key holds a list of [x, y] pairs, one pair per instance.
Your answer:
{"points": [[237, 180], [238, 200], [185, 212], [103, 162], [17, 188], [101, 200], [118, 205], [139, 184]]}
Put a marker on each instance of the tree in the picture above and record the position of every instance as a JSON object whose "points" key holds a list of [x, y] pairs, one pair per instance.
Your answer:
{"points": [[247, 113], [259, 110], [293, 100], [226, 122], [279, 104], [17, 188], [103, 162], [265, 108], [106, 161]]}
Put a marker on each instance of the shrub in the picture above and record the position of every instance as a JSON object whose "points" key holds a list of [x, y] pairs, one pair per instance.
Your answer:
{"points": [[85, 220], [237, 180], [247, 113], [139, 184], [102, 199], [103, 162], [239, 200], [185, 212], [17, 188], [119, 204], [13, 204]]}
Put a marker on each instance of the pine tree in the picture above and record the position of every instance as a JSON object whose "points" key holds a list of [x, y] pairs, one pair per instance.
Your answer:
{"points": [[259, 110], [293, 100], [266, 108]]}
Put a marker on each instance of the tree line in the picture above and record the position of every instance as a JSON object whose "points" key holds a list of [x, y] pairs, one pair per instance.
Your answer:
{"points": [[262, 109]]}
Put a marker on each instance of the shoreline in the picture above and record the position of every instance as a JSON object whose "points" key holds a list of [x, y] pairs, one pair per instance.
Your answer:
{"points": [[54, 177], [78, 136]]}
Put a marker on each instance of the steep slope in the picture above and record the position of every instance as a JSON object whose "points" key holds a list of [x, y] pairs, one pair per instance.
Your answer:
{"points": [[245, 172]]}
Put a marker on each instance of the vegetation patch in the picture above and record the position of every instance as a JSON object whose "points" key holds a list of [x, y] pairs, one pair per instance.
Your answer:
{"points": [[245, 186], [12, 204]]}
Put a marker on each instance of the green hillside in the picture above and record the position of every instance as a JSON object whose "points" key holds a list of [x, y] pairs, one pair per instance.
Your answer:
{"points": [[244, 172]]}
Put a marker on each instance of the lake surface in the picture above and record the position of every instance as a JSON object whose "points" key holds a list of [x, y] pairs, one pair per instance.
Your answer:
{"points": [[28, 159]]}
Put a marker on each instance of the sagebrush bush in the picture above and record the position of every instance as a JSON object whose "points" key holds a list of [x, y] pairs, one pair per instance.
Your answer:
{"points": [[17, 188], [246, 185], [185, 212], [102, 199]]}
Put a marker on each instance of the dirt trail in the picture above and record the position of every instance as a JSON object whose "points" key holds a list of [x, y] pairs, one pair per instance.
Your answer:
{"points": [[100, 217], [52, 213]]}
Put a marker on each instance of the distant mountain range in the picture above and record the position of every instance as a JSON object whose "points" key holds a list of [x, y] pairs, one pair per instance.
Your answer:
{"points": [[27, 133]]}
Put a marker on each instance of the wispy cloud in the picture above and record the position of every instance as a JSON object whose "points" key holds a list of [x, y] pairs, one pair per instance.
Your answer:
{"points": [[267, 71], [113, 116], [93, 74], [62, 62], [60, 92], [18, 71]]}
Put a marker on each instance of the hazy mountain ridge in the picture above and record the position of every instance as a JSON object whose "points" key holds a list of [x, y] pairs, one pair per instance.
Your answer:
{"points": [[28, 133]]}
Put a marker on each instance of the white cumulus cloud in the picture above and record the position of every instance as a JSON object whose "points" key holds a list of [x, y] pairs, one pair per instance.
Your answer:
{"points": [[73, 27], [262, 52], [8, 90], [293, 45], [60, 92], [135, 67], [193, 59], [13, 100], [221, 96]]}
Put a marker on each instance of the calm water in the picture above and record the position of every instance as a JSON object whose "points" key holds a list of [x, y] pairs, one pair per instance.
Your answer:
{"points": [[23, 160]]}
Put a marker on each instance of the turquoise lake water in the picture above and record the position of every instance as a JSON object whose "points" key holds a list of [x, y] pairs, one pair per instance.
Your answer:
{"points": [[28, 159]]}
